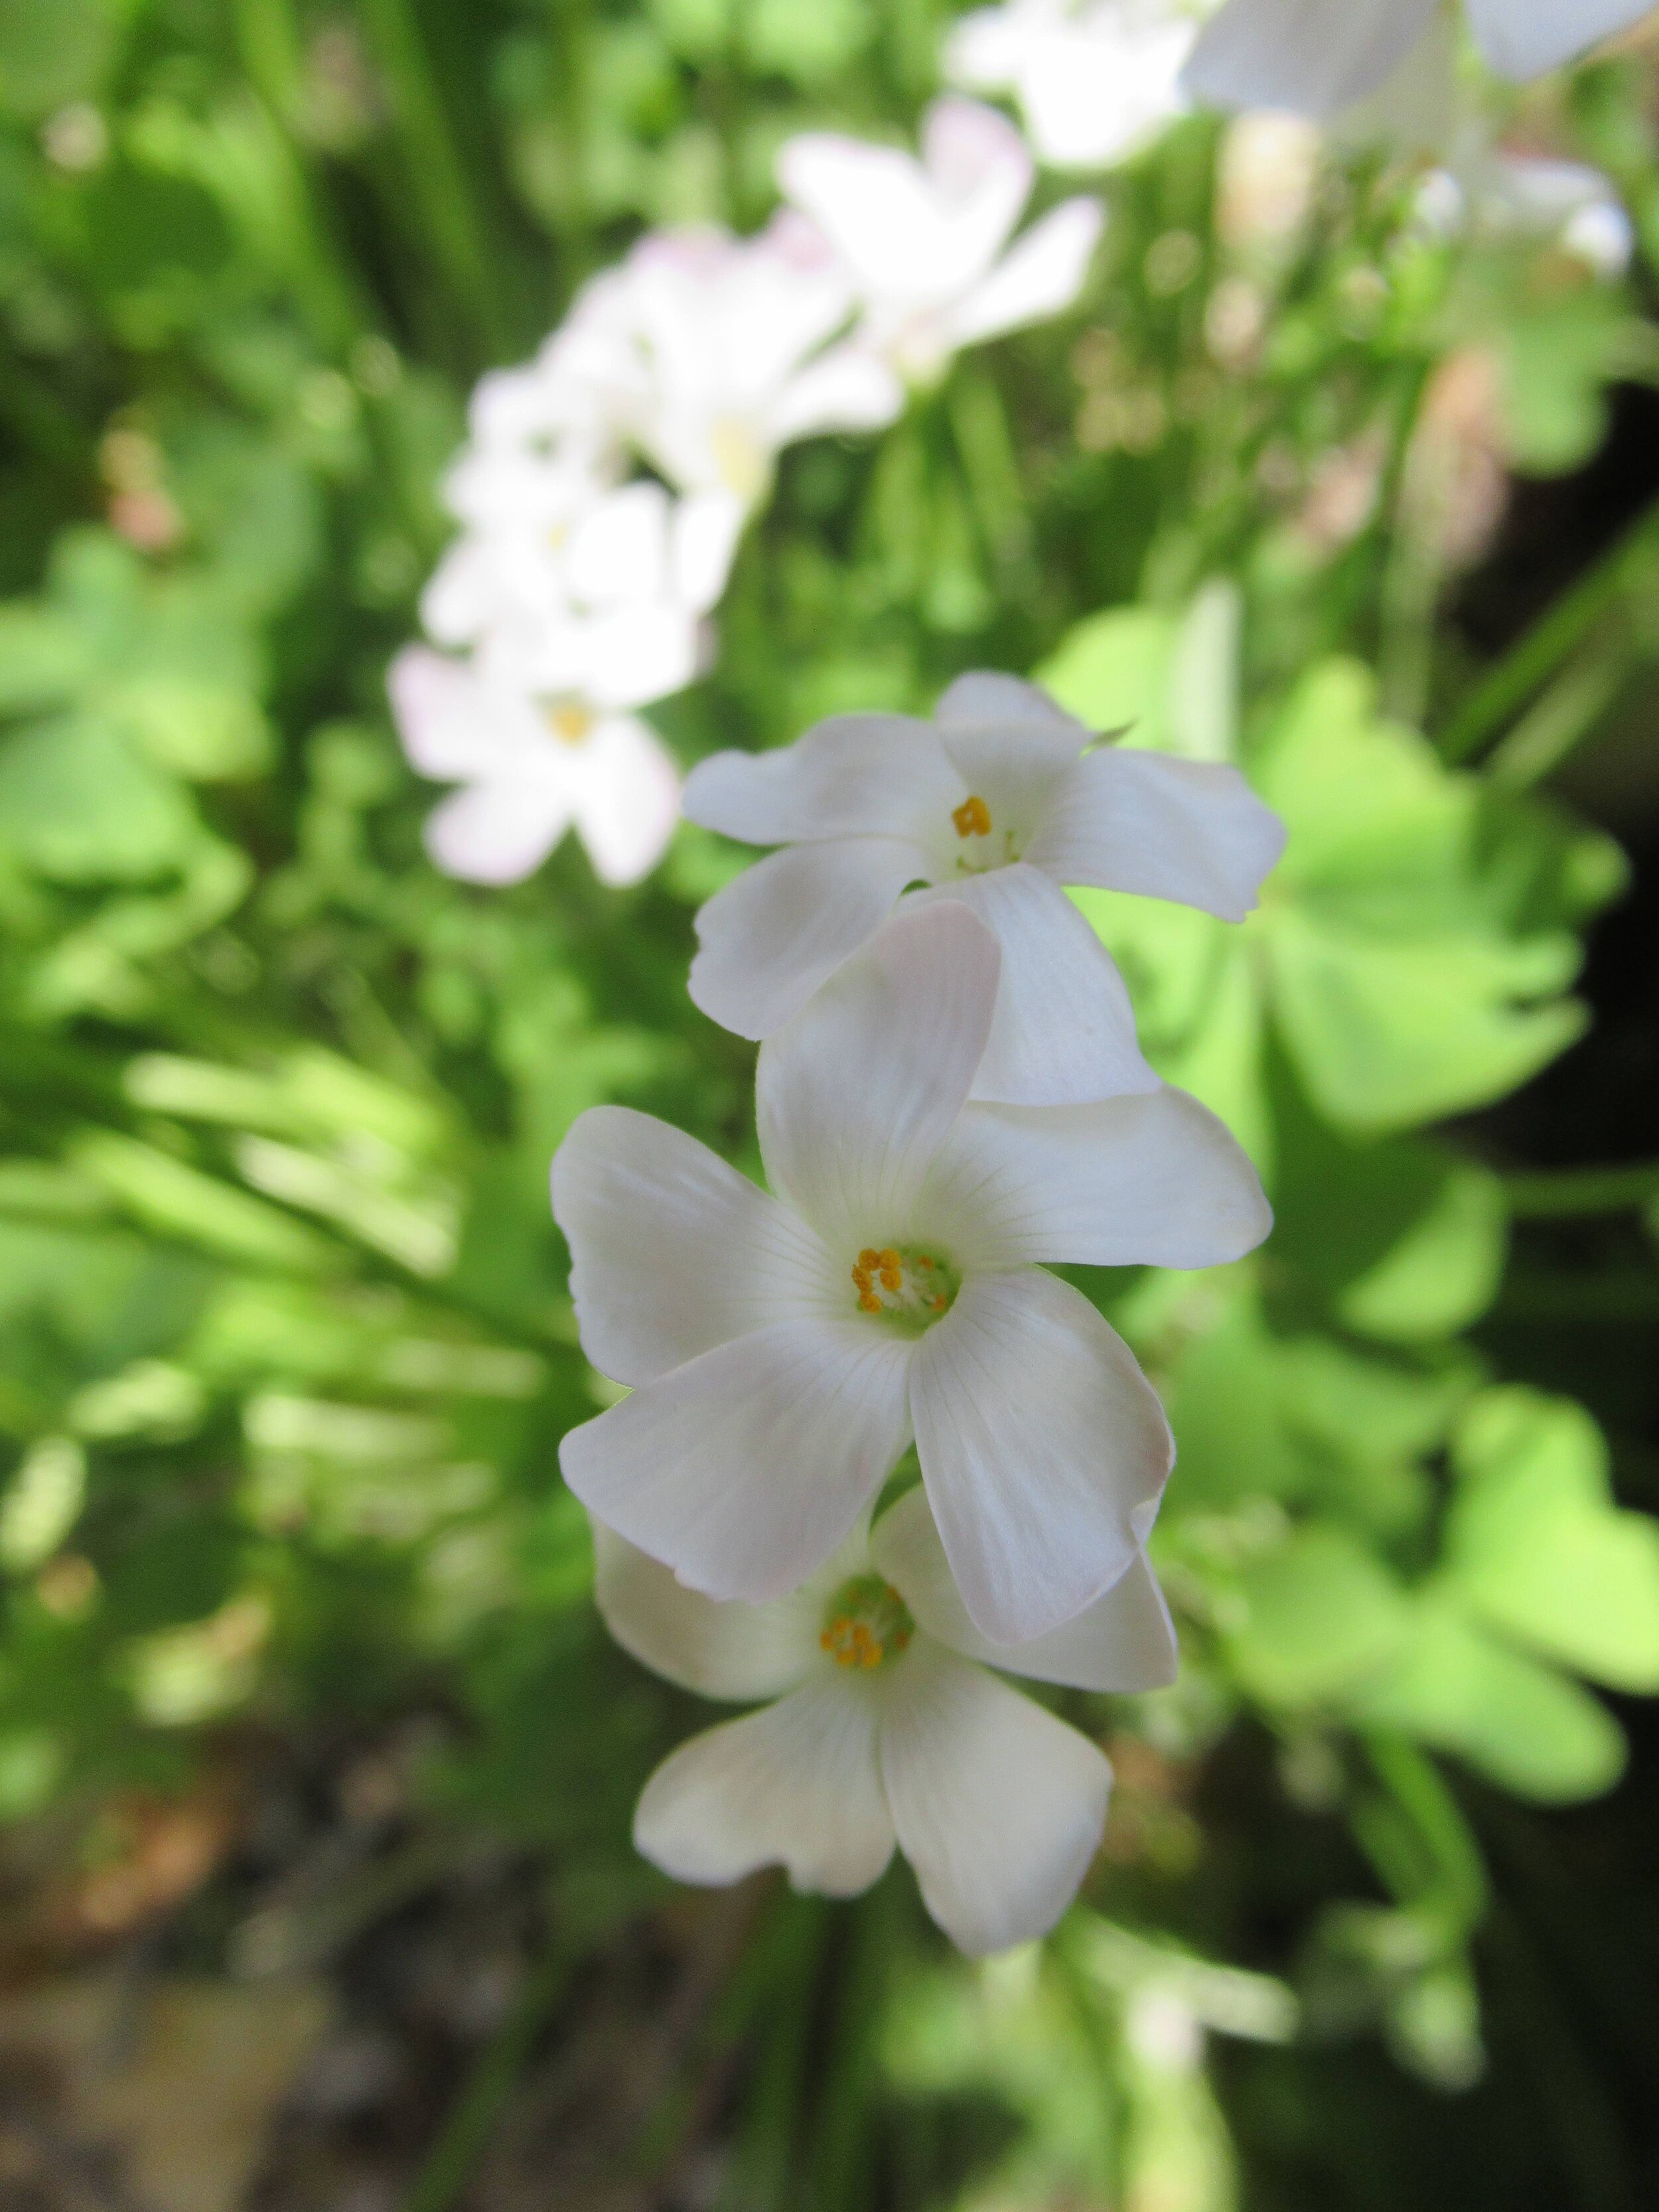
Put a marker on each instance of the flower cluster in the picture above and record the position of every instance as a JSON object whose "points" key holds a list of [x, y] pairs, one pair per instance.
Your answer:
{"points": [[605, 485], [950, 1104]]}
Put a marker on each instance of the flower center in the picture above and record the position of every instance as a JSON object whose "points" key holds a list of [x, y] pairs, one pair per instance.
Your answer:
{"points": [[972, 823], [865, 1624], [568, 721], [741, 458], [909, 1287]]}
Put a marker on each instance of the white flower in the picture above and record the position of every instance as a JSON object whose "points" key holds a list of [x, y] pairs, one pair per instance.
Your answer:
{"points": [[723, 358], [923, 240], [1529, 197], [885, 1729], [607, 604], [530, 767], [996, 803], [1319, 57], [1096, 80], [783, 1351]]}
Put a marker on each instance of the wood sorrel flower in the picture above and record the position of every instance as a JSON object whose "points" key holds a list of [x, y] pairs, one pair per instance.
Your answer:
{"points": [[923, 240], [996, 803], [884, 1730], [1096, 80], [1318, 57], [784, 1350]]}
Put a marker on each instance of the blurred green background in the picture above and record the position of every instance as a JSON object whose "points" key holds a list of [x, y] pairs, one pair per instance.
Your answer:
{"points": [[315, 1769]]}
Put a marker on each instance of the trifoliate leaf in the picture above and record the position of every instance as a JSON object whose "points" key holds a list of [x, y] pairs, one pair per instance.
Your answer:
{"points": [[1317, 1619], [78, 806]]}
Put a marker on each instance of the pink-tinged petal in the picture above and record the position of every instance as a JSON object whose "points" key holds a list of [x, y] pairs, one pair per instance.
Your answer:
{"points": [[746, 1467], [998, 1806], [1043, 1448], [855, 775], [626, 798], [854, 1097], [1151, 1180], [744, 1652], [497, 832], [981, 169], [1064, 1030], [1314, 58], [1522, 38], [873, 204], [453, 725], [796, 1785], [1040, 275], [774, 935], [1188, 830], [1123, 1642], [671, 1251]]}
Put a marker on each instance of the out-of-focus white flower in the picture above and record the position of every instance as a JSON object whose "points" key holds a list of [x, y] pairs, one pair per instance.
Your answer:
{"points": [[995, 803], [884, 1730], [723, 357], [782, 1352], [1531, 198], [923, 240], [607, 604], [1094, 79], [1266, 178], [531, 766], [1321, 57]]}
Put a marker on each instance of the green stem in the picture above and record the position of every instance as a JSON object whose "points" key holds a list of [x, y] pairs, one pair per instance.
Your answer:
{"points": [[1534, 658], [465, 2134], [436, 174], [1549, 730], [1570, 1192]]}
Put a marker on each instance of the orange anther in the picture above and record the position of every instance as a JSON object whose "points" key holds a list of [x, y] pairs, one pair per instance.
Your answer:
{"points": [[862, 1277], [888, 1260], [870, 1257], [972, 819], [869, 1303]]}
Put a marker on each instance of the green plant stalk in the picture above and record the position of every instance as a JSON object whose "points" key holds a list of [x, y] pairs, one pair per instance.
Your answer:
{"points": [[1533, 659], [467, 2130], [1562, 1194], [436, 176]]}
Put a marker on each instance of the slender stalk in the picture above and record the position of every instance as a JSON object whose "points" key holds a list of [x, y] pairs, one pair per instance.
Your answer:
{"points": [[1571, 1192], [436, 173], [1533, 659], [466, 2131], [1548, 731]]}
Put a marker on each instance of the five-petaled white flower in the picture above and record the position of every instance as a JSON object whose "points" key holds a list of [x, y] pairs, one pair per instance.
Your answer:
{"points": [[1318, 57], [923, 240], [531, 767], [784, 1351], [885, 1729], [1096, 80], [996, 803]]}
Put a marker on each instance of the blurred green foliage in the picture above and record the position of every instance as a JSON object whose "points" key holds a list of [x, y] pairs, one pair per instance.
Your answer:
{"points": [[285, 1349]]}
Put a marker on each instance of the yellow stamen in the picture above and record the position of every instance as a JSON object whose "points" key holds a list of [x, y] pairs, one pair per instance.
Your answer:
{"points": [[569, 722], [972, 819]]}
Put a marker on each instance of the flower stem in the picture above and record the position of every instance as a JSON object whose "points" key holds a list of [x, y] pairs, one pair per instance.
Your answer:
{"points": [[1560, 1195]]}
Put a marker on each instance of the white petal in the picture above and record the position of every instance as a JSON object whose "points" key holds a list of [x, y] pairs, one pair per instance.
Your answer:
{"points": [[671, 1251], [1190, 830], [774, 935], [627, 799], [1043, 1448], [1153, 1181], [745, 1652], [1040, 275], [855, 775], [1312, 57], [985, 695], [998, 1806], [1124, 1641], [497, 832], [452, 724], [847, 388], [1064, 1030], [707, 528], [1524, 38], [619, 549], [796, 1784], [983, 169], [744, 1468], [854, 1097], [630, 655], [875, 205]]}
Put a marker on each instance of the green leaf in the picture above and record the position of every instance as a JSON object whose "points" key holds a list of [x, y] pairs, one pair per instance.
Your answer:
{"points": [[52, 52], [1317, 1618], [1223, 1394], [78, 806], [1521, 1725], [1113, 672], [1445, 1271], [1536, 1546]]}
